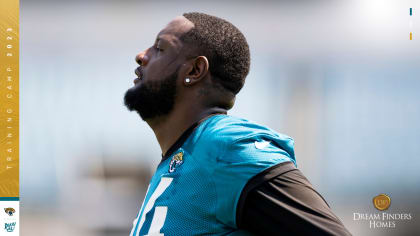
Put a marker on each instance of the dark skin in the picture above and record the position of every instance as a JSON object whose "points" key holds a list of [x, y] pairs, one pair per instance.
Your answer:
{"points": [[264, 212], [194, 100]]}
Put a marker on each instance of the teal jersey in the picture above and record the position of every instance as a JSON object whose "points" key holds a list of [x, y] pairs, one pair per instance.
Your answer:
{"points": [[196, 189]]}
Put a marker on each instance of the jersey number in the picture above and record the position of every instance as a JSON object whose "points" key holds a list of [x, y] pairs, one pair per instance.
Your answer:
{"points": [[160, 211]]}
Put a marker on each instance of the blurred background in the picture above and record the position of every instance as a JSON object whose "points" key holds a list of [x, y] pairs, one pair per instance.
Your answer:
{"points": [[340, 77]]}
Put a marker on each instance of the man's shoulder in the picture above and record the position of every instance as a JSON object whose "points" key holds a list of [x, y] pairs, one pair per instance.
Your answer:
{"points": [[229, 129], [233, 128], [221, 133]]}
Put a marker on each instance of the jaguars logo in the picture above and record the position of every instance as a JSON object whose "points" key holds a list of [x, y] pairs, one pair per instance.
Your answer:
{"points": [[10, 211], [176, 161]]}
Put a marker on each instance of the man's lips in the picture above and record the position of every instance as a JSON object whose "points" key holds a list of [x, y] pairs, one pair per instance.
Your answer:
{"points": [[138, 71]]}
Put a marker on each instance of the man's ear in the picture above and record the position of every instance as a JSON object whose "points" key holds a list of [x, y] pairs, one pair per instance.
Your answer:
{"points": [[198, 70]]}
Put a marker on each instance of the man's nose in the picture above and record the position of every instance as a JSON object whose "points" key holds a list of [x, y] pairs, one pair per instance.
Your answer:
{"points": [[142, 58]]}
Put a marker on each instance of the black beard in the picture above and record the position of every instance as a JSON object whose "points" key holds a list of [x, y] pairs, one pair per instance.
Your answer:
{"points": [[151, 99]]}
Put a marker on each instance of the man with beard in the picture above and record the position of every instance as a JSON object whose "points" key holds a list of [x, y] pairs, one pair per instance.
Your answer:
{"points": [[219, 175]]}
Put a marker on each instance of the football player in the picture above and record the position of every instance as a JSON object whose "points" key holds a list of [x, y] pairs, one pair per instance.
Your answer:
{"points": [[219, 174]]}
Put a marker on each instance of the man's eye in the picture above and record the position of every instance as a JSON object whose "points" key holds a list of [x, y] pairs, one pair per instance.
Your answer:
{"points": [[159, 49]]}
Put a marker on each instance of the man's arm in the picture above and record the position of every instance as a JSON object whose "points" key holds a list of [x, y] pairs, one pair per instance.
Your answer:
{"points": [[281, 201]]}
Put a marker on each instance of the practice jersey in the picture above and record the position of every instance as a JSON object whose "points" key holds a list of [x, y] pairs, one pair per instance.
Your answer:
{"points": [[195, 190]]}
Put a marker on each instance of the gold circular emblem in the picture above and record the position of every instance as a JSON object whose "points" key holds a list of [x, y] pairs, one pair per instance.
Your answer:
{"points": [[382, 202]]}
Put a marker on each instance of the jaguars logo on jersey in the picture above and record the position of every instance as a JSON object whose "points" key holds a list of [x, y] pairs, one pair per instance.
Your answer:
{"points": [[195, 190], [176, 161], [10, 211]]}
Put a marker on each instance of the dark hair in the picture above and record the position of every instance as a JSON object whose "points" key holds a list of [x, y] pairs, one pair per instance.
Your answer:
{"points": [[224, 46]]}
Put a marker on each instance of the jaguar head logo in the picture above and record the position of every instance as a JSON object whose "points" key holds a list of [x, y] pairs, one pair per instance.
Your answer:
{"points": [[176, 161], [9, 211]]}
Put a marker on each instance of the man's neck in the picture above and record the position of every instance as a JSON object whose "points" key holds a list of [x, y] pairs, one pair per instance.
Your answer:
{"points": [[169, 128]]}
